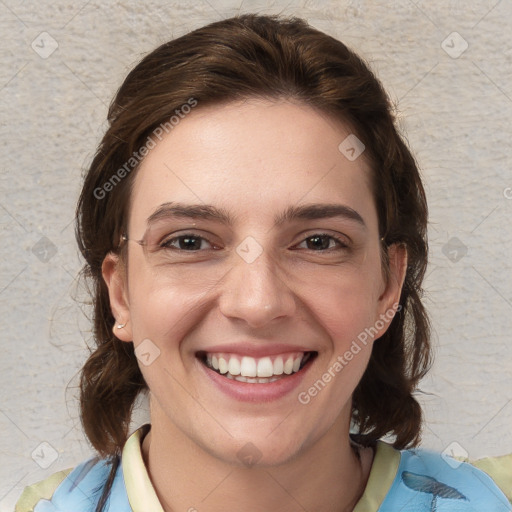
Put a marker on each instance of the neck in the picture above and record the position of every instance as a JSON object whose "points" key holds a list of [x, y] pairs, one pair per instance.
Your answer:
{"points": [[328, 476]]}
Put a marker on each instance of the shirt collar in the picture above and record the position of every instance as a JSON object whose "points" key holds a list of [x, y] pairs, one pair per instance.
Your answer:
{"points": [[140, 491], [142, 495], [382, 474]]}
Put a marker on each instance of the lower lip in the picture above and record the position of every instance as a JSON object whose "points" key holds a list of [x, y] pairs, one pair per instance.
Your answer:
{"points": [[254, 392]]}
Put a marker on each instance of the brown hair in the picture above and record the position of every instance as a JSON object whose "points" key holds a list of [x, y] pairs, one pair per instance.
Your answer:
{"points": [[237, 58]]}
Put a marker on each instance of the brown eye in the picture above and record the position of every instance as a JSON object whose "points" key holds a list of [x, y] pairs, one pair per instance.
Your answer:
{"points": [[188, 242], [322, 242]]}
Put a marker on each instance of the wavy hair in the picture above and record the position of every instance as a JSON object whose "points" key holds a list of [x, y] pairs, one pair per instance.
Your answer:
{"points": [[233, 59]]}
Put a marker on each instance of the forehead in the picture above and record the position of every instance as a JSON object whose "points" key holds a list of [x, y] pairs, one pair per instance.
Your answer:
{"points": [[252, 156]]}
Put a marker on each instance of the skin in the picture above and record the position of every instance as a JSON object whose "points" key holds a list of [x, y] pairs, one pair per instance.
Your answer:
{"points": [[254, 159]]}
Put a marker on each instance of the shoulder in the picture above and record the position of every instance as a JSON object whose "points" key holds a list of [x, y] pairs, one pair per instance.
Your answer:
{"points": [[77, 489], [40, 490], [426, 480], [500, 470]]}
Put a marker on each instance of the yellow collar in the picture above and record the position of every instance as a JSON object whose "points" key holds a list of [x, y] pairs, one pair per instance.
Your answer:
{"points": [[140, 491], [142, 495], [383, 472]]}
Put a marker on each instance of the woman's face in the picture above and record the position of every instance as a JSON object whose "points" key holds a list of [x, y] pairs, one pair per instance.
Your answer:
{"points": [[262, 255]]}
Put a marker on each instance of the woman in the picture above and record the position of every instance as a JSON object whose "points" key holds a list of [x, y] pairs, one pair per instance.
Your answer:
{"points": [[255, 230]]}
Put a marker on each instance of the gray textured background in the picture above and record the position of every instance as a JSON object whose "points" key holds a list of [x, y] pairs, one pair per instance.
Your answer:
{"points": [[455, 106]]}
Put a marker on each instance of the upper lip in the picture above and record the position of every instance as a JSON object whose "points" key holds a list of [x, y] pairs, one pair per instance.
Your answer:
{"points": [[261, 349]]}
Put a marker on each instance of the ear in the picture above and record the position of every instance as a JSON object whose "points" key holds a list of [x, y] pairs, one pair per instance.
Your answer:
{"points": [[393, 281], [114, 275]]}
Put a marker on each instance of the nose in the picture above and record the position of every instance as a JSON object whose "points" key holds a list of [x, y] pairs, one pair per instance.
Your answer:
{"points": [[256, 292]]}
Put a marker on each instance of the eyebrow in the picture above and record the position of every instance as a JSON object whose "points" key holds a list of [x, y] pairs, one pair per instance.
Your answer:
{"points": [[212, 213]]}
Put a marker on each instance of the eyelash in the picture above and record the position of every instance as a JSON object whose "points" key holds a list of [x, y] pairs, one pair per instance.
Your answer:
{"points": [[342, 245]]}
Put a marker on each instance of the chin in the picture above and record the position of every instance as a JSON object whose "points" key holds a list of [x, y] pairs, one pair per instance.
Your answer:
{"points": [[255, 450]]}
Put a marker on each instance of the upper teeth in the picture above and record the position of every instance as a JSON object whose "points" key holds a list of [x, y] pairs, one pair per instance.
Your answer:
{"points": [[256, 367]]}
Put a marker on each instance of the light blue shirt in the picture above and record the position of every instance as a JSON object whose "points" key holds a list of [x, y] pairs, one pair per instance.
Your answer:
{"points": [[414, 480]]}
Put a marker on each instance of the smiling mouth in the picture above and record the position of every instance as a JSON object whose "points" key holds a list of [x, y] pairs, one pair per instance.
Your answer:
{"points": [[256, 370]]}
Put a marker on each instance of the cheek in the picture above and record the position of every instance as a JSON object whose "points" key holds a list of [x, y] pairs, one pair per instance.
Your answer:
{"points": [[345, 303], [345, 311], [162, 314], [347, 324], [155, 310], [339, 300]]}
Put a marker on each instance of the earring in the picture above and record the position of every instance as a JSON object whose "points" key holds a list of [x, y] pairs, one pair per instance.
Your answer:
{"points": [[120, 326]]}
